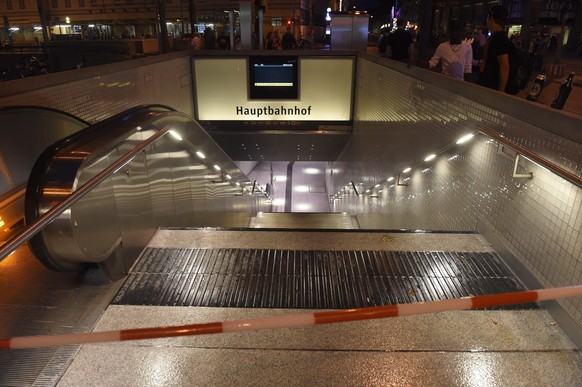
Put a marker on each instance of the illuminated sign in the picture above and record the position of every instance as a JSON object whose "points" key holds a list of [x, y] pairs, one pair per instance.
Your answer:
{"points": [[281, 88]]}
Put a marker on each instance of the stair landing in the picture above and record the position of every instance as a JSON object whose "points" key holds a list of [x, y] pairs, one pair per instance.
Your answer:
{"points": [[521, 347]]}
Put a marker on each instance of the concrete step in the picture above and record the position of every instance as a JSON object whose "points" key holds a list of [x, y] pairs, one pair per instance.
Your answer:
{"points": [[303, 220]]}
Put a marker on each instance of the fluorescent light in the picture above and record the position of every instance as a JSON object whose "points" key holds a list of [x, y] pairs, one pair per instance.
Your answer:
{"points": [[377, 185], [312, 171], [390, 178], [429, 157], [407, 170], [217, 167], [200, 154], [302, 188], [237, 183], [228, 177], [465, 138]]}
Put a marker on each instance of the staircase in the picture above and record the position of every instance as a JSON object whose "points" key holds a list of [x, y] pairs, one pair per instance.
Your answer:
{"points": [[205, 275], [304, 220]]}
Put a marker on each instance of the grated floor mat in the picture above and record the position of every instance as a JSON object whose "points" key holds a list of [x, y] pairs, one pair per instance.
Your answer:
{"points": [[310, 279]]}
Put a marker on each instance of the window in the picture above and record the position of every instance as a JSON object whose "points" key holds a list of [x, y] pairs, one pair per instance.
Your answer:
{"points": [[21, 4], [55, 3], [68, 3], [276, 21], [8, 5], [81, 3]]}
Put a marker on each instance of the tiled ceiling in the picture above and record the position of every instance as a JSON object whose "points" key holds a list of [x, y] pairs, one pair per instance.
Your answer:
{"points": [[282, 146]]}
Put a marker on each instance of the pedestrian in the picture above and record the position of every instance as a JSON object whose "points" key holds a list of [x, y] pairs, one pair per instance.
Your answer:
{"points": [[494, 67], [209, 39], [539, 52], [288, 42], [276, 40], [454, 55], [196, 42], [383, 42], [478, 46], [269, 41], [400, 43]]}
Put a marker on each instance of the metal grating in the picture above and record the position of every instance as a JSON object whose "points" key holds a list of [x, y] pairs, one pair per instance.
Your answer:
{"points": [[309, 279]]}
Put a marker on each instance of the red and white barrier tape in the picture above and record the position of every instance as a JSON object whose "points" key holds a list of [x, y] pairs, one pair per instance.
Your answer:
{"points": [[292, 321]]}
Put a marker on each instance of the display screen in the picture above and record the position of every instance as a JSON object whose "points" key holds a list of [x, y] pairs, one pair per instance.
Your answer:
{"points": [[273, 77]]}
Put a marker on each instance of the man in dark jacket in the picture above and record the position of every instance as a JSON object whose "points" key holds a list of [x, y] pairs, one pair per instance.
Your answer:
{"points": [[494, 66], [288, 42], [400, 42]]}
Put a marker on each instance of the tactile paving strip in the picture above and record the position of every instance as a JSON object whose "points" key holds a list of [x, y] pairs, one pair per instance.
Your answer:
{"points": [[310, 279]]}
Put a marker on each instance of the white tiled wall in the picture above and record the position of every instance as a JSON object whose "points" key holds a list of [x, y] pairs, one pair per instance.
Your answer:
{"points": [[400, 120], [99, 96]]}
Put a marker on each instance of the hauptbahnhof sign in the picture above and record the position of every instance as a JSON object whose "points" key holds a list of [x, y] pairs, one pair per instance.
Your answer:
{"points": [[274, 89]]}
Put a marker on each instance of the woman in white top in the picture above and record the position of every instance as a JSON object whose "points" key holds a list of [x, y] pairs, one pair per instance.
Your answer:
{"points": [[455, 55]]}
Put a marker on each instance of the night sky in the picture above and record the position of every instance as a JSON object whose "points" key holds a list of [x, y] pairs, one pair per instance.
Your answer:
{"points": [[365, 4]]}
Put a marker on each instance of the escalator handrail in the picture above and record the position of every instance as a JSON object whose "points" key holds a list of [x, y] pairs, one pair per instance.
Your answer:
{"points": [[71, 199], [16, 108]]}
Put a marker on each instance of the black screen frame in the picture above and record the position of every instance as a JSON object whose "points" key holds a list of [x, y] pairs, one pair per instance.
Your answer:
{"points": [[273, 92]]}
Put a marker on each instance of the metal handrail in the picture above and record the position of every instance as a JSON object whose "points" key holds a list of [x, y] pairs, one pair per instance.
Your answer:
{"points": [[562, 172], [71, 199]]}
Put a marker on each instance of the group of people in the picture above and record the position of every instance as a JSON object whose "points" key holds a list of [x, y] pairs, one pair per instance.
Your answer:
{"points": [[479, 59], [210, 41], [207, 40], [274, 41]]}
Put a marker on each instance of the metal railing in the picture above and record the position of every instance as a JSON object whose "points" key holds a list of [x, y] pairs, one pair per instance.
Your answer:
{"points": [[518, 149], [562, 172]]}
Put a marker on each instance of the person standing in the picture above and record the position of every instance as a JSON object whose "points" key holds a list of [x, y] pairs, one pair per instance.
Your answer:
{"points": [[288, 42], [400, 43], [209, 39], [276, 40], [494, 67], [455, 55], [269, 41], [478, 47], [196, 42], [383, 42]]}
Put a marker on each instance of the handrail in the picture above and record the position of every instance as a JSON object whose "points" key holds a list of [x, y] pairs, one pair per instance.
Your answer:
{"points": [[552, 167], [71, 199], [572, 178]]}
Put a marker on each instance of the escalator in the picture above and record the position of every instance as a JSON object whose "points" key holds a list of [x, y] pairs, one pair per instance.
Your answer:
{"points": [[26, 131], [180, 179]]}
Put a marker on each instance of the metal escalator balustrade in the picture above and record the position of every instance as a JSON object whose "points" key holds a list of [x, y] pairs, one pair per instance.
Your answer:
{"points": [[108, 188], [26, 131]]}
